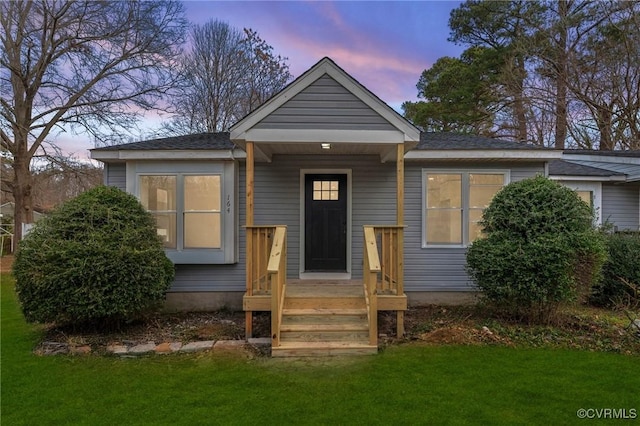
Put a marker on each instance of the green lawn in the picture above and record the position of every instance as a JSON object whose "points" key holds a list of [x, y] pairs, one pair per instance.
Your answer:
{"points": [[404, 385]]}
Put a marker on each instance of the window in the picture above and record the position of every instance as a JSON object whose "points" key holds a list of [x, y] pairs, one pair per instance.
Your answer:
{"points": [[325, 190], [199, 219], [194, 208], [586, 196], [590, 193], [454, 202], [158, 195]]}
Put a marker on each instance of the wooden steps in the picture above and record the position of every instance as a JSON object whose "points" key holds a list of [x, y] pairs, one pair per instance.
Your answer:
{"points": [[324, 319]]}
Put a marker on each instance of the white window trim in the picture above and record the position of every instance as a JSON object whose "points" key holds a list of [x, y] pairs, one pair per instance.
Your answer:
{"points": [[595, 188], [465, 201], [227, 170]]}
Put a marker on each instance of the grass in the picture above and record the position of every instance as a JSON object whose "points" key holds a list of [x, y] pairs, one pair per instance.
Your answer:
{"points": [[408, 384]]}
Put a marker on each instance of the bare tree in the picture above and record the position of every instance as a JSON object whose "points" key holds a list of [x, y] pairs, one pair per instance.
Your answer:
{"points": [[89, 65], [226, 74], [605, 77], [62, 178]]}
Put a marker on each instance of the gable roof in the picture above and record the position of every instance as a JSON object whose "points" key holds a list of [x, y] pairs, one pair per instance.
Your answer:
{"points": [[246, 129]]}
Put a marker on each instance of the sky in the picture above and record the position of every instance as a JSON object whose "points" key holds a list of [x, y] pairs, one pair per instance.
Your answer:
{"points": [[385, 45]]}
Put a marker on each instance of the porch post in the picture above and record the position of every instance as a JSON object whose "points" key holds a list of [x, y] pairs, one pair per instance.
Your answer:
{"points": [[249, 236], [400, 185], [400, 222], [250, 161]]}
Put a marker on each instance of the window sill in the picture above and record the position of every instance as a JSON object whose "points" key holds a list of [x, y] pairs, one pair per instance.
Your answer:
{"points": [[445, 246], [200, 257]]}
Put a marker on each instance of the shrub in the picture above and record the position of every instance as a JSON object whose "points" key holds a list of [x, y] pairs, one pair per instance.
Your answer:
{"points": [[620, 284], [95, 259], [537, 235]]}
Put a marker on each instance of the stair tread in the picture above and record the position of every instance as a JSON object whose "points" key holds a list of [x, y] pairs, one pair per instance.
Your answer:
{"points": [[321, 311], [324, 327], [324, 344]]}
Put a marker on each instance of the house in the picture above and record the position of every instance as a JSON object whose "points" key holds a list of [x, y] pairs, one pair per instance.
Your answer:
{"points": [[608, 180], [7, 210], [322, 206]]}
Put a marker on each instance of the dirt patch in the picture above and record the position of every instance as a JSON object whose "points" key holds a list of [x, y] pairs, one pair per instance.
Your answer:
{"points": [[6, 263], [159, 328], [582, 328]]}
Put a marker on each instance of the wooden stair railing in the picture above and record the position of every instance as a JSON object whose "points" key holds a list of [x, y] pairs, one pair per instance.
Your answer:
{"points": [[370, 281], [277, 272], [390, 257]]}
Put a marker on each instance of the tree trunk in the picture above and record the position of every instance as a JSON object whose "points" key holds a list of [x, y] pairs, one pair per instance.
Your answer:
{"points": [[604, 122], [561, 77], [519, 107], [22, 195]]}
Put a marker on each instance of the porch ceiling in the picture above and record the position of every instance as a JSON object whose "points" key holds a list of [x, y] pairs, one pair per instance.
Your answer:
{"points": [[386, 151]]}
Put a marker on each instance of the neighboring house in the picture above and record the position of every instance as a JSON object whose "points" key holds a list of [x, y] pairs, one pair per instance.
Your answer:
{"points": [[8, 210], [323, 202], [608, 180]]}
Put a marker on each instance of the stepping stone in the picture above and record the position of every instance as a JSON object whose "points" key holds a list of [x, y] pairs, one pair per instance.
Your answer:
{"points": [[80, 350], [117, 349], [143, 349], [198, 346], [229, 346], [167, 348]]}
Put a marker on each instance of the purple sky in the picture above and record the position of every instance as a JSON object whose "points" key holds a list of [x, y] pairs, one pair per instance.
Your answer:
{"points": [[385, 45]]}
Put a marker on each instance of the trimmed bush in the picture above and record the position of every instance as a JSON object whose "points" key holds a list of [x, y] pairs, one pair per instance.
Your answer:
{"points": [[539, 234], [96, 259], [620, 284]]}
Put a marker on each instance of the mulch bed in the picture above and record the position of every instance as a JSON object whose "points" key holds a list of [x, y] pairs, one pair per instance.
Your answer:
{"points": [[587, 329]]}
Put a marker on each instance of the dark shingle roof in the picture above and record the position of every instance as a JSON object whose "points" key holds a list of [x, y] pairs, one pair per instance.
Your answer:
{"points": [[628, 153], [567, 168], [443, 140], [200, 141], [428, 141]]}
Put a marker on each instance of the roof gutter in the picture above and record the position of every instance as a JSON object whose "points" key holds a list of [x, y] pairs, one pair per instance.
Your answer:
{"points": [[124, 155], [477, 154]]}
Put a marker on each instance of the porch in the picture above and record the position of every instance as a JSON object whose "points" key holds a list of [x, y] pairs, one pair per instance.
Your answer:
{"points": [[324, 317]]}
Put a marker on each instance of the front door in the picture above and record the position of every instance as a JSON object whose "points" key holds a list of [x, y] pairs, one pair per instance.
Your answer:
{"points": [[325, 222]]}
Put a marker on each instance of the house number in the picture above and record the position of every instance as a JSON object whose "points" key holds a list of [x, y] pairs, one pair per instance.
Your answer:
{"points": [[228, 203]]}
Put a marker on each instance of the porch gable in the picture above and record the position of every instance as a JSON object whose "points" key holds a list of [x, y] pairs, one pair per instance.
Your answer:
{"points": [[325, 109]]}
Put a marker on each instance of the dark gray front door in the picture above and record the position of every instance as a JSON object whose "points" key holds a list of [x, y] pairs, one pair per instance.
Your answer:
{"points": [[326, 223]]}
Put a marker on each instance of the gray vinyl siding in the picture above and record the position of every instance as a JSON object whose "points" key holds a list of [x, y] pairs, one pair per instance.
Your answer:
{"points": [[441, 269], [277, 198], [115, 174], [621, 205], [373, 198], [325, 104]]}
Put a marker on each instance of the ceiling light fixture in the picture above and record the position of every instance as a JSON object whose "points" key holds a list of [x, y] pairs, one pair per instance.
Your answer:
{"points": [[325, 145]]}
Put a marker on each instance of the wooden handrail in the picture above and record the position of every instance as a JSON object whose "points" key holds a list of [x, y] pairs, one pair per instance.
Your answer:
{"points": [[277, 271], [259, 243], [391, 238], [370, 281]]}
